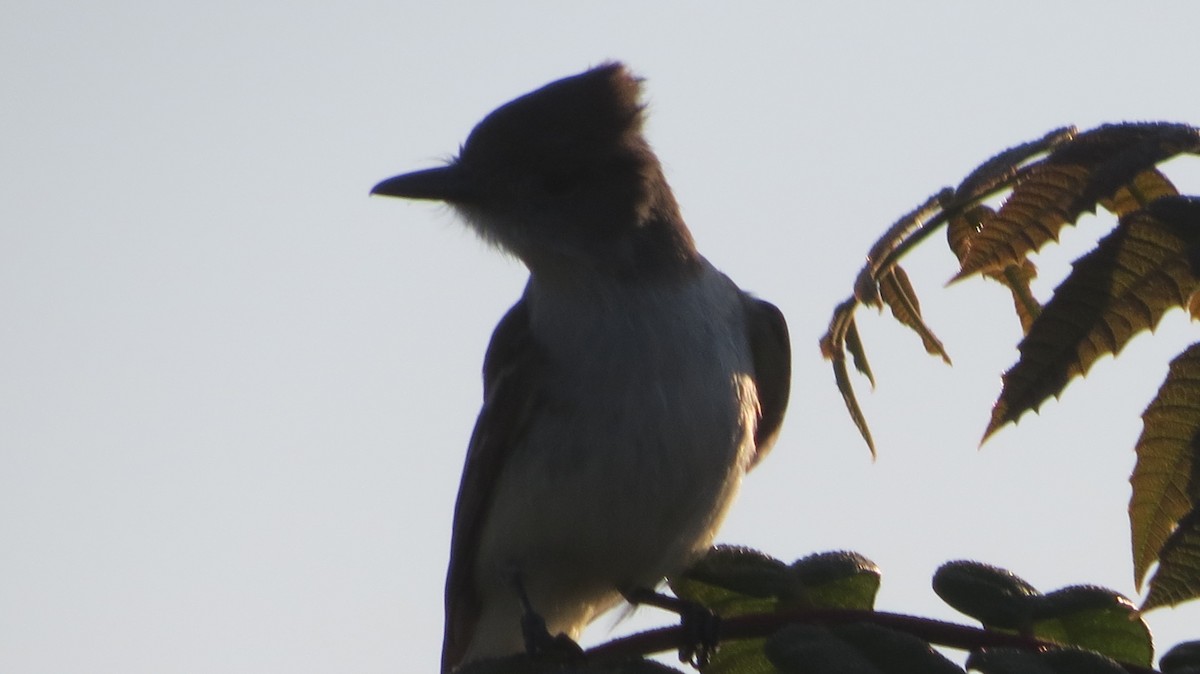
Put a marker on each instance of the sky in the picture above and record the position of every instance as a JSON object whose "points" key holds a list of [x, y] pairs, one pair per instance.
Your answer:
{"points": [[235, 391]]}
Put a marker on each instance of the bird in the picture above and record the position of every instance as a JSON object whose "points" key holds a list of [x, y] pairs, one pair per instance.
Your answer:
{"points": [[627, 391]]}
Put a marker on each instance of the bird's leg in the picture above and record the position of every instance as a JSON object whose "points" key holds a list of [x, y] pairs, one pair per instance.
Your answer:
{"points": [[701, 627], [538, 640]]}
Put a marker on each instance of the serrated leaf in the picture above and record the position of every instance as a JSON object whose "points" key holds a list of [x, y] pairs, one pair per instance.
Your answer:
{"points": [[843, 580], [897, 293], [1177, 578], [859, 355], [855, 648], [841, 336], [1002, 168], [997, 598], [1126, 285], [1017, 278], [1032, 215], [1146, 187], [1071, 180], [1166, 458], [1096, 619], [962, 228]]}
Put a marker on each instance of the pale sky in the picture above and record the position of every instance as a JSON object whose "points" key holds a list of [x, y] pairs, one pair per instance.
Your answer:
{"points": [[235, 392]]}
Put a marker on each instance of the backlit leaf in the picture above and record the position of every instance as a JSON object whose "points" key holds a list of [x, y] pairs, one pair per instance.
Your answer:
{"points": [[1094, 618], [1135, 274], [997, 598], [1071, 180], [961, 230], [1166, 459], [1178, 576], [1146, 187], [897, 292]]}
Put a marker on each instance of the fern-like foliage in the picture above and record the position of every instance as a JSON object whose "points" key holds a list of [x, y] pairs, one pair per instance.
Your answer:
{"points": [[1147, 265]]}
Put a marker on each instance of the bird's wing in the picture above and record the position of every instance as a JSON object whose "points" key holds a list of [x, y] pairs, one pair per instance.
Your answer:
{"points": [[510, 394], [771, 350]]}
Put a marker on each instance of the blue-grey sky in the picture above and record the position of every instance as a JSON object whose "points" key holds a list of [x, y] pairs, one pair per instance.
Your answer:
{"points": [[235, 391]]}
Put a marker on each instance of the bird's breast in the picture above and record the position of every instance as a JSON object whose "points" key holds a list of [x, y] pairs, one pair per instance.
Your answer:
{"points": [[645, 429]]}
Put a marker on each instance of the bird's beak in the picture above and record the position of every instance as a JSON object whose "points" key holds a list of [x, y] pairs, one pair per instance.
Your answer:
{"points": [[445, 183]]}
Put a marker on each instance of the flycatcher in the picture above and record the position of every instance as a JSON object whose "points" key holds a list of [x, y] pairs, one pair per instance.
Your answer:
{"points": [[624, 395]]}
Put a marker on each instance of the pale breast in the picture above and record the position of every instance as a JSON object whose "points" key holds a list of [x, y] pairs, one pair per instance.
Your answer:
{"points": [[646, 430]]}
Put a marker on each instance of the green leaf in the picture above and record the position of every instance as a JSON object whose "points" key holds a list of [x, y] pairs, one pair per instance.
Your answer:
{"points": [[1056, 661], [1182, 657], [845, 580], [1166, 458], [731, 581], [740, 656], [734, 581], [1178, 576], [996, 597], [1094, 618], [854, 649], [1133, 277]]}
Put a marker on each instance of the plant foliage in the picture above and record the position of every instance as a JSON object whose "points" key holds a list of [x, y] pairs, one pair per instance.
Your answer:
{"points": [[1146, 266], [817, 616]]}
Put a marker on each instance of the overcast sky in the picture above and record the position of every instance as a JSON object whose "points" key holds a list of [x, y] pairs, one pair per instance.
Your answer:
{"points": [[235, 392]]}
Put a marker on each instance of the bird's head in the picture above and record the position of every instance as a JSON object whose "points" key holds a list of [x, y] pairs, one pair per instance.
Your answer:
{"points": [[563, 177]]}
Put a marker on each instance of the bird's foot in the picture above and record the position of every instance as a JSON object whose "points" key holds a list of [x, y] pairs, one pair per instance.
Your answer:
{"points": [[700, 626], [538, 640], [540, 643]]}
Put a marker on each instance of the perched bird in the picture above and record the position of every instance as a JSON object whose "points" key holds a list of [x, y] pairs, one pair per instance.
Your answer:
{"points": [[625, 394]]}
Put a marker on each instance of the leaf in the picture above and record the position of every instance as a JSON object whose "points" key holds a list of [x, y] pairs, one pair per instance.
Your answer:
{"points": [[842, 580], [1132, 278], [1146, 187], [1097, 619], [1055, 661], [842, 335], [1166, 459], [1181, 657], [1071, 180], [911, 227], [897, 292], [855, 346], [733, 580], [1003, 168], [960, 231], [854, 648], [996, 597], [1017, 279], [1178, 576]]}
